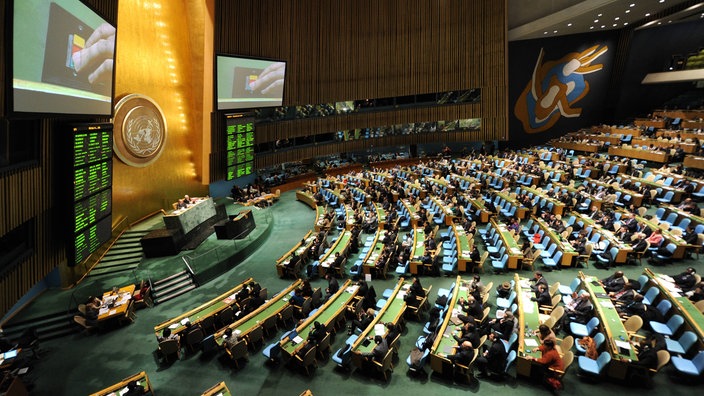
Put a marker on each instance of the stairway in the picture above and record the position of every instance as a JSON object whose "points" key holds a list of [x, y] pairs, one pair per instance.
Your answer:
{"points": [[124, 255], [172, 286], [53, 325]]}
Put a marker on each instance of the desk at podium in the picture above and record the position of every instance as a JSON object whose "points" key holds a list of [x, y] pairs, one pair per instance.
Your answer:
{"points": [[236, 227]]}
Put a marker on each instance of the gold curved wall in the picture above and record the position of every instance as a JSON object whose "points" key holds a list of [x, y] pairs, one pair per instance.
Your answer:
{"points": [[160, 53]]}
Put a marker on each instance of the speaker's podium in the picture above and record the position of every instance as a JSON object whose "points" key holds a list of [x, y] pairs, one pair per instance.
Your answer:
{"points": [[236, 227]]}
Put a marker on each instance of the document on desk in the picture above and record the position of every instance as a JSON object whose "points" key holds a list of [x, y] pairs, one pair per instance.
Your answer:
{"points": [[531, 342], [622, 344], [401, 294], [379, 329], [103, 311], [297, 340]]}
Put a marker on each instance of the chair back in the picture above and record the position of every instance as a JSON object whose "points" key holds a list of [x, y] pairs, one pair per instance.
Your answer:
{"points": [[599, 339], [512, 340], [603, 360], [567, 344], [698, 362], [592, 324], [664, 307], [633, 324], [554, 288], [169, 347], [651, 294], [509, 360], [239, 350], [675, 323], [567, 359], [194, 336], [663, 359]]}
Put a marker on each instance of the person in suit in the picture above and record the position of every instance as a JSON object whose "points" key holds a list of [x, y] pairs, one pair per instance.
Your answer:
{"points": [[686, 280], [364, 319], [290, 267], [614, 282], [415, 293], [542, 295], [230, 339], [503, 326], [333, 285], [377, 354], [471, 307], [166, 335], [134, 389], [468, 332], [494, 358], [539, 279], [579, 310], [474, 257], [464, 355], [549, 359]]}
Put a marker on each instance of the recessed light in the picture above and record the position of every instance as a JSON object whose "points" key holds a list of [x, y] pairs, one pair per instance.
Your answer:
{"points": [[600, 15], [617, 18], [659, 23], [596, 21], [625, 24], [592, 27], [669, 21], [632, 5], [569, 24], [662, 1], [627, 11], [647, 14], [615, 24], [545, 32], [603, 26]]}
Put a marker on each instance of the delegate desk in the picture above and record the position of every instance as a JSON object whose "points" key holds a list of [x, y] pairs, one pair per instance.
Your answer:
{"points": [[528, 316], [644, 123], [116, 303], [306, 198], [464, 249], [445, 342], [120, 388], [236, 227], [648, 155], [577, 146], [681, 245], [256, 318], [412, 211], [319, 218], [218, 390], [558, 207], [326, 315], [478, 205], [187, 219], [377, 247], [693, 161], [512, 249], [693, 318], [196, 315], [417, 250], [391, 312], [301, 249], [341, 245], [623, 248], [521, 211], [617, 341], [568, 252]]}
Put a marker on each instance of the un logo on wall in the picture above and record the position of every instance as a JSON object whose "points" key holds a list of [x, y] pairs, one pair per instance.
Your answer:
{"points": [[140, 130]]}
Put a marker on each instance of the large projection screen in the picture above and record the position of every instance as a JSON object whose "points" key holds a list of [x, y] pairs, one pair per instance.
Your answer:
{"points": [[246, 83], [62, 58]]}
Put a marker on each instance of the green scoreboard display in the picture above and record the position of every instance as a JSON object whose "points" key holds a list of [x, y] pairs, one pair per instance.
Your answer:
{"points": [[91, 173], [240, 146]]}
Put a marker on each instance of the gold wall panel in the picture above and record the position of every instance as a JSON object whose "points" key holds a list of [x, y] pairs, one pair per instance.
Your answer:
{"points": [[160, 54]]}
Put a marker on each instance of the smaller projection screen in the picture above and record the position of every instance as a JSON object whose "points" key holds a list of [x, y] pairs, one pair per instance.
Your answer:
{"points": [[246, 83], [62, 58]]}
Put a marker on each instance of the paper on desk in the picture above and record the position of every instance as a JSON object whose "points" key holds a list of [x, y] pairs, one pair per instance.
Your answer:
{"points": [[531, 342], [401, 294], [622, 344], [184, 321], [606, 304], [297, 340], [112, 312], [527, 305], [379, 329], [103, 311], [173, 326]]}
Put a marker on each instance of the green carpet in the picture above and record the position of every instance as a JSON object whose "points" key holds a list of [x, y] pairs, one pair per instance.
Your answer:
{"points": [[81, 364]]}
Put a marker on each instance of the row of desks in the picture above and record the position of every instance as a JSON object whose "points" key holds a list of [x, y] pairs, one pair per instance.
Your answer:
{"points": [[142, 379], [683, 305], [445, 343], [198, 314]]}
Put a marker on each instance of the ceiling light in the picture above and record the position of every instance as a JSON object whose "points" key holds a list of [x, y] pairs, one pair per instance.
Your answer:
{"points": [[647, 14], [616, 19], [615, 24], [627, 11], [625, 24], [569, 24], [545, 32], [592, 27], [603, 26], [659, 23], [596, 21], [662, 1], [632, 5], [600, 15], [554, 31]]}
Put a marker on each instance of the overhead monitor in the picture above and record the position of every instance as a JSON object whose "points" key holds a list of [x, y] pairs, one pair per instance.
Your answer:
{"points": [[247, 83], [63, 54]]}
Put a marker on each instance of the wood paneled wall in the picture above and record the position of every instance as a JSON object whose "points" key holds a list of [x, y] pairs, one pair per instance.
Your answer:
{"points": [[28, 194], [338, 51]]}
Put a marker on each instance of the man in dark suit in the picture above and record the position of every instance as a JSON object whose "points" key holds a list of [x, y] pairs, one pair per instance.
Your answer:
{"points": [[542, 295], [494, 358], [614, 282], [538, 279], [464, 355], [333, 285]]}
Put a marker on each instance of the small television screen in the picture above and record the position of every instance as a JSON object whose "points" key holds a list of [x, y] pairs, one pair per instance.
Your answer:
{"points": [[62, 58], [676, 121], [247, 83]]}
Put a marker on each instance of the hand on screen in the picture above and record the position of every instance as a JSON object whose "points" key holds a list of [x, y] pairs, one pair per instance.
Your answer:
{"points": [[96, 57], [271, 79]]}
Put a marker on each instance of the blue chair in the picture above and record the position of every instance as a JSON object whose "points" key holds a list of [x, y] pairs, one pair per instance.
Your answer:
{"points": [[509, 361], [511, 342], [659, 213], [498, 265], [272, 351], [594, 367], [693, 368], [568, 290], [683, 344], [421, 363], [553, 261], [504, 303], [667, 198], [599, 339], [584, 330], [670, 327], [450, 268], [548, 253], [664, 307], [651, 295], [667, 255]]}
